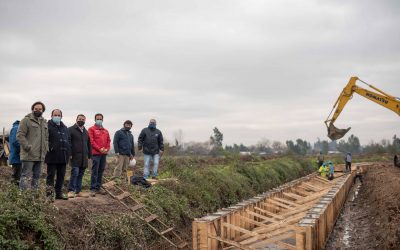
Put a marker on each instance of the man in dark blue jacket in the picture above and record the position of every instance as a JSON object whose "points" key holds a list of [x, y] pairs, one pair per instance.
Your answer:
{"points": [[58, 155], [14, 158], [151, 142], [124, 147]]}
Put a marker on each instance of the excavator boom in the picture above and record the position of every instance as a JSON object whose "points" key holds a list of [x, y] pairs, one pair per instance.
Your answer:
{"points": [[378, 97]]}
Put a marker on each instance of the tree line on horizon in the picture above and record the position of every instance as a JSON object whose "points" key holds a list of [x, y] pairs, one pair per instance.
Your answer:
{"points": [[214, 146]]}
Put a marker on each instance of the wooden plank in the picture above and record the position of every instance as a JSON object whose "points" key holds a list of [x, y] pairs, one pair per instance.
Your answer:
{"points": [[151, 218], [269, 213], [137, 207], [239, 229], [194, 235], [312, 197], [286, 201], [293, 195], [273, 206], [302, 192], [320, 185], [285, 245], [182, 244], [123, 195], [109, 184], [230, 242], [322, 179], [300, 240], [272, 240], [267, 219], [299, 210], [168, 230], [279, 204], [309, 186], [253, 221], [280, 224], [269, 234]]}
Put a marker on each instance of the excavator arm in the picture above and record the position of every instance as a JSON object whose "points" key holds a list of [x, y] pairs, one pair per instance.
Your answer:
{"points": [[379, 97]]}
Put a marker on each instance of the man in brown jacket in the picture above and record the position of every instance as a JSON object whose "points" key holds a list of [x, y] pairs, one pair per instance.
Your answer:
{"points": [[33, 137]]}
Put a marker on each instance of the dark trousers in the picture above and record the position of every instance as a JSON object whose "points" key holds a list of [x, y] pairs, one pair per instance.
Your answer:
{"points": [[59, 171], [359, 176], [348, 166], [75, 182], [98, 166], [17, 169]]}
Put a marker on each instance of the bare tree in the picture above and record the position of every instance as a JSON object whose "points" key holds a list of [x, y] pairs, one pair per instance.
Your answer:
{"points": [[178, 136]]}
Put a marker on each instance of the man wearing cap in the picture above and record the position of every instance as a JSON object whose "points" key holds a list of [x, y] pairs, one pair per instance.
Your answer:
{"points": [[124, 148]]}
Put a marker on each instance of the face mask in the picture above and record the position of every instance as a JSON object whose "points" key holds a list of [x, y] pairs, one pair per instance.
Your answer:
{"points": [[127, 128], [80, 123], [37, 113], [99, 123], [152, 125], [56, 119]]}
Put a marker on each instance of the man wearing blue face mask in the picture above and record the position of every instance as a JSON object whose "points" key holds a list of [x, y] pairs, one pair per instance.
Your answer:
{"points": [[100, 140], [151, 143], [58, 155]]}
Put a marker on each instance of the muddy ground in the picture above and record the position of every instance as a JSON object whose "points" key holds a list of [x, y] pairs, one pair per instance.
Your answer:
{"points": [[370, 218]]}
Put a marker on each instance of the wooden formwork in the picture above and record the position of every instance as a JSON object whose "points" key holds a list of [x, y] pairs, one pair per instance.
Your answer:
{"points": [[318, 223], [267, 220]]}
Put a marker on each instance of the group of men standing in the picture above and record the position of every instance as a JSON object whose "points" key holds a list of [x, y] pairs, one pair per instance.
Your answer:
{"points": [[33, 141]]}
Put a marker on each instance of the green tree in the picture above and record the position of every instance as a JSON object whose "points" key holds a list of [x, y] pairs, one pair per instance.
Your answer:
{"points": [[352, 145], [301, 147], [216, 142]]}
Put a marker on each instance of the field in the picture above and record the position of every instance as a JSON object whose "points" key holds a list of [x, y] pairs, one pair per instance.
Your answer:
{"points": [[192, 187]]}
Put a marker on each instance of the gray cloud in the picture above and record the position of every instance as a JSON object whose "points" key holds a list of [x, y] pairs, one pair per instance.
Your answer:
{"points": [[253, 68]]}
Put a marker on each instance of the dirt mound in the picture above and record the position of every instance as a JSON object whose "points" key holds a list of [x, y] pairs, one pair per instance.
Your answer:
{"points": [[371, 217]]}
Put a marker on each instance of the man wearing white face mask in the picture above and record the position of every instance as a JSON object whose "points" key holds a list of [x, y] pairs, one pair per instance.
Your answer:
{"points": [[100, 140], [58, 155]]}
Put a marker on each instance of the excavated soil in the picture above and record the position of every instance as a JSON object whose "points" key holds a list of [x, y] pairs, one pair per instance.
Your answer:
{"points": [[370, 218]]}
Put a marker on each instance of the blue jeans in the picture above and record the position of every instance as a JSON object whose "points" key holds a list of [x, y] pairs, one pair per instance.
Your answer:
{"points": [[75, 182], [30, 172], [156, 161], [98, 166]]}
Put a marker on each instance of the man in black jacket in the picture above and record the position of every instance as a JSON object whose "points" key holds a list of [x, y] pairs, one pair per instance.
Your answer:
{"points": [[81, 153], [124, 147], [151, 143], [58, 155]]}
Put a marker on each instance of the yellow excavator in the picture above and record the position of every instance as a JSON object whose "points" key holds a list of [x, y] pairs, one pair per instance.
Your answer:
{"points": [[379, 97]]}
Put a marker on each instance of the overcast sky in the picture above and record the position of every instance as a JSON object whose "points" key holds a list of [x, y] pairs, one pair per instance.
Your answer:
{"points": [[254, 69]]}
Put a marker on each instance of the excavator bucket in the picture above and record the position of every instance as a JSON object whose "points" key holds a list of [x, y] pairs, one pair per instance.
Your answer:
{"points": [[335, 133]]}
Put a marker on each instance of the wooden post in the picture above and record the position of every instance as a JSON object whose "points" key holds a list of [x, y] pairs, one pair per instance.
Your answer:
{"points": [[200, 235], [300, 240]]}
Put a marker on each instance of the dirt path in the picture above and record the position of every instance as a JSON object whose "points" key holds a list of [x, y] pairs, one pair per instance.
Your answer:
{"points": [[370, 218]]}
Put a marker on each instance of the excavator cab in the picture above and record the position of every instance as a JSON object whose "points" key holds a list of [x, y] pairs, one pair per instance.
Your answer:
{"points": [[335, 133]]}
